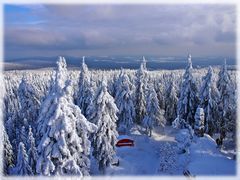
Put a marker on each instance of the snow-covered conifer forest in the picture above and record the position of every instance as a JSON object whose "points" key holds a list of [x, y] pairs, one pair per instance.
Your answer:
{"points": [[68, 122]]}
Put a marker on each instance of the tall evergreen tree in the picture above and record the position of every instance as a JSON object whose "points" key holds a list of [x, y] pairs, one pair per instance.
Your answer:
{"points": [[208, 102], [23, 136], [154, 114], [141, 87], [188, 100], [32, 150], [171, 102], [84, 88], [8, 156], [105, 138], [29, 99], [124, 102], [22, 167], [12, 116], [91, 96], [113, 85], [160, 90], [64, 147], [227, 122]]}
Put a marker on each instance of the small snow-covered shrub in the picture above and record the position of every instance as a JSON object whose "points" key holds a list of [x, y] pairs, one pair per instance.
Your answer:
{"points": [[178, 123], [184, 139], [199, 122]]}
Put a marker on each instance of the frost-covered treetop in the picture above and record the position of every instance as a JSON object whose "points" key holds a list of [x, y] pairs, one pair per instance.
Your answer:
{"points": [[104, 84], [224, 70], [83, 59], [188, 73], [142, 71], [225, 64], [124, 79], [25, 87], [224, 67], [207, 82], [144, 63], [84, 75], [224, 79], [143, 66], [210, 70], [189, 62], [61, 73], [199, 111], [24, 78], [84, 67]]}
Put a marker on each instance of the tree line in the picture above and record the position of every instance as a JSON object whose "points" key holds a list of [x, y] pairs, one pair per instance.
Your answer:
{"points": [[51, 124]]}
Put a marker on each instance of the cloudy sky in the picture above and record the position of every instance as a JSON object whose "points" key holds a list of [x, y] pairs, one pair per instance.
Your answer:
{"points": [[76, 30]]}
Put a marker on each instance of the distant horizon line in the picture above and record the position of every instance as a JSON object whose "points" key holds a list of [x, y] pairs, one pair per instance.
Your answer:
{"points": [[124, 56]]}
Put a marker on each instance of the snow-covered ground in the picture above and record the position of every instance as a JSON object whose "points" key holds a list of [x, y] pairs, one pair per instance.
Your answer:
{"points": [[142, 159], [204, 158]]}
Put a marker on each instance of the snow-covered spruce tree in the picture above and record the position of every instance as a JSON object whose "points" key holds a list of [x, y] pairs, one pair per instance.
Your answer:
{"points": [[32, 150], [188, 100], [12, 109], [113, 85], [91, 96], [29, 99], [57, 83], [227, 122], [84, 92], [160, 90], [141, 86], [8, 156], [23, 136], [154, 115], [208, 102], [64, 147], [199, 122], [105, 138], [22, 167], [171, 103], [41, 83], [124, 102]]}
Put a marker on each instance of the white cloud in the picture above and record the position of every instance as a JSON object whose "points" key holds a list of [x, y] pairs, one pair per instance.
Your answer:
{"points": [[95, 27]]}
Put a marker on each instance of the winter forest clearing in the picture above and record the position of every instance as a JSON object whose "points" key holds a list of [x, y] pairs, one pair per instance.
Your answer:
{"points": [[66, 122]]}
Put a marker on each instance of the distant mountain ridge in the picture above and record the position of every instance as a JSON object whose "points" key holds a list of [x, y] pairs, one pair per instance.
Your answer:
{"points": [[116, 62]]}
